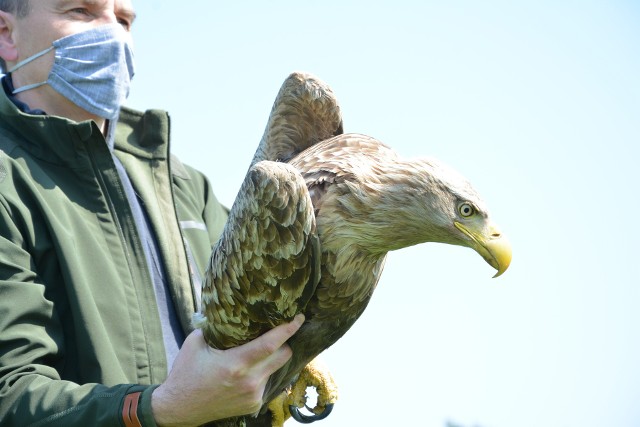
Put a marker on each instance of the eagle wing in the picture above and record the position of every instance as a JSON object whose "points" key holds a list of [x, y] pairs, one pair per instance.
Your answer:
{"points": [[265, 267], [305, 112], [262, 271]]}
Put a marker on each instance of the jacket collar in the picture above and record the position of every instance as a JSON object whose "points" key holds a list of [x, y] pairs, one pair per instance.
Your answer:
{"points": [[60, 140], [7, 85]]}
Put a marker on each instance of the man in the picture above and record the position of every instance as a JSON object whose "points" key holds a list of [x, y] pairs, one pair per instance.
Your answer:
{"points": [[103, 236]]}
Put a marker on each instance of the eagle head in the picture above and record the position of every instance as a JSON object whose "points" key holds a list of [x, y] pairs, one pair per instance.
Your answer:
{"points": [[455, 213], [405, 202]]}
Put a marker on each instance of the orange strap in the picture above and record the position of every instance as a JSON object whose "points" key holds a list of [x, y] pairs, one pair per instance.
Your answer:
{"points": [[130, 410]]}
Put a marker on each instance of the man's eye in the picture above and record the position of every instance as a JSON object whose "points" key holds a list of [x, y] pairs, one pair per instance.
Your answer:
{"points": [[125, 23], [80, 11]]}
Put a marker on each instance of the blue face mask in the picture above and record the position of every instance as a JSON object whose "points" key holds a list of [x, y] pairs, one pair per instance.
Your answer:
{"points": [[93, 69]]}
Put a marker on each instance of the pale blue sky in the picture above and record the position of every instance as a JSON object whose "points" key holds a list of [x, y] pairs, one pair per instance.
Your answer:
{"points": [[537, 103]]}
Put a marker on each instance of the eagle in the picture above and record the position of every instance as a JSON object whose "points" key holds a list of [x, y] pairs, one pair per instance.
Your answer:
{"points": [[309, 232]]}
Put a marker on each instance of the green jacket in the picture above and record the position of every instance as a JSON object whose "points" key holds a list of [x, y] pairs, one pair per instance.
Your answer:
{"points": [[79, 326]]}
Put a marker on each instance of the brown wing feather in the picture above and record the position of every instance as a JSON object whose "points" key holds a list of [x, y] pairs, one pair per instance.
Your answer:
{"points": [[262, 271], [305, 112]]}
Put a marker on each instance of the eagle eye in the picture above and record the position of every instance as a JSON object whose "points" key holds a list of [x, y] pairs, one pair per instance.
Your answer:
{"points": [[466, 210]]}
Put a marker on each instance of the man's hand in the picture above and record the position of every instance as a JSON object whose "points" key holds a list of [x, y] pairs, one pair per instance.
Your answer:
{"points": [[207, 384]]}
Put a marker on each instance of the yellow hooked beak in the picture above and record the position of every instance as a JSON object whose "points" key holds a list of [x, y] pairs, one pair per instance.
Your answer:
{"points": [[491, 245]]}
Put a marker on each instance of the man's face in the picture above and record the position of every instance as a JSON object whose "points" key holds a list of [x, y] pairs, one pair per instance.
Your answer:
{"points": [[49, 20]]}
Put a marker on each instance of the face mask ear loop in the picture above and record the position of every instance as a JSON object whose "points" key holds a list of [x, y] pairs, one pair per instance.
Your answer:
{"points": [[31, 58], [28, 87], [26, 61]]}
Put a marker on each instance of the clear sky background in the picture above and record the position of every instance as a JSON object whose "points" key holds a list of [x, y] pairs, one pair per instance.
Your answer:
{"points": [[536, 103]]}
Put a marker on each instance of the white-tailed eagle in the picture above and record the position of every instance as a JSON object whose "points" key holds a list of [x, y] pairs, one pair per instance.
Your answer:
{"points": [[312, 224]]}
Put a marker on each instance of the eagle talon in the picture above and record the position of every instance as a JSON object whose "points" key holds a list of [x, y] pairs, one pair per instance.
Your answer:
{"points": [[308, 419]]}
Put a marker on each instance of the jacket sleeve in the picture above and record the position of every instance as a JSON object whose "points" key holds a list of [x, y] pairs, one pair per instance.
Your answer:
{"points": [[32, 348]]}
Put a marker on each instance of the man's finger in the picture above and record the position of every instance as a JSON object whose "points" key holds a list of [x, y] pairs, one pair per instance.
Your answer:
{"points": [[272, 341]]}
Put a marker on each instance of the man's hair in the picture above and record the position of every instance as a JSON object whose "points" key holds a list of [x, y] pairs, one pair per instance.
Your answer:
{"points": [[19, 8]]}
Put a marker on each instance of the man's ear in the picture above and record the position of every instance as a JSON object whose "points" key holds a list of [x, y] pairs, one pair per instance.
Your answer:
{"points": [[8, 50]]}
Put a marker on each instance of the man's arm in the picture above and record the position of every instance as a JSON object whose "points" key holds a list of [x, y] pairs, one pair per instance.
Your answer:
{"points": [[33, 346]]}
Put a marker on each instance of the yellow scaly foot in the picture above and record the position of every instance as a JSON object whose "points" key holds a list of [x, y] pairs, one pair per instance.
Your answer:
{"points": [[315, 374]]}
